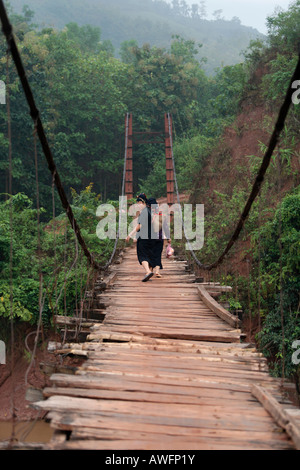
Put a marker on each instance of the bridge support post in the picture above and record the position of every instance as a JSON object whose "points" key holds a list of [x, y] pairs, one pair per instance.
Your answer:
{"points": [[128, 147], [169, 160]]}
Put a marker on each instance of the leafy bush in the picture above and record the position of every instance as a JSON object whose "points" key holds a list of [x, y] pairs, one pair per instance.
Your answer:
{"points": [[63, 267], [279, 333]]}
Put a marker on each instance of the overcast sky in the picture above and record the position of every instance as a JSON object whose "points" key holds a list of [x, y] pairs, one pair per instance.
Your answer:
{"points": [[251, 12]]}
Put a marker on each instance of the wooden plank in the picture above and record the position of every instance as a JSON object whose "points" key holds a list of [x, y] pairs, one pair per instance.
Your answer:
{"points": [[182, 370], [236, 350], [197, 442], [177, 414], [108, 280], [148, 397], [192, 334], [279, 414], [188, 360], [217, 309], [212, 363], [81, 421], [73, 321], [216, 288], [111, 378], [7, 445], [188, 313], [159, 323], [271, 405], [230, 383], [143, 340], [158, 445], [163, 356], [180, 318], [143, 384]]}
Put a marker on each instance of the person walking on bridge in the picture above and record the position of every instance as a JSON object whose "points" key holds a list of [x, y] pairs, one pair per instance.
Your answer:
{"points": [[143, 234]]}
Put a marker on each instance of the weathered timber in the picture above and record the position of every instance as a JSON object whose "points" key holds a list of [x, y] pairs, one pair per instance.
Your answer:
{"points": [[216, 288], [121, 334], [49, 368], [217, 309], [83, 322], [281, 416]]}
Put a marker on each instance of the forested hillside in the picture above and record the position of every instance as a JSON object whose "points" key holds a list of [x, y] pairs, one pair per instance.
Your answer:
{"points": [[264, 265], [222, 125], [151, 22]]}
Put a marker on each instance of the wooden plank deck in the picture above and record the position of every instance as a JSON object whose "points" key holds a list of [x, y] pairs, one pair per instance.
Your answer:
{"points": [[163, 372]]}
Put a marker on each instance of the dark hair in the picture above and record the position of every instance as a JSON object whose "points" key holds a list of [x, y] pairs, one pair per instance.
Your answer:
{"points": [[152, 202], [142, 197]]}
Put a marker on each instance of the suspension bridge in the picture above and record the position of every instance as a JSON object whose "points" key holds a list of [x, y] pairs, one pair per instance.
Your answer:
{"points": [[164, 365]]}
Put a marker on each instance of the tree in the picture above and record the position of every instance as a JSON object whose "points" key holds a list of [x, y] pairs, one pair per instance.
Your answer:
{"points": [[167, 80], [127, 51], [236, 20], [284, 28], [217, 15], [195, 11], [203, 9], [184, 8], [87, 37], [78, 93], [286, 223], [176, 7], [185, 50]]}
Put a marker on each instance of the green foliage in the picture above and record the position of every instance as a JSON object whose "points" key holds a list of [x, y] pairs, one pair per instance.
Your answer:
{"points": [[24, 242], [168, 80], [234, 304], [64, 269], [17, 309], [155, 183], [150, 22], [255, 52], [88, 38], [190, 155], [284, 28], [275, 84], [83, 133], [221, 220], [287, 223], [228, 90], [278, 57], [127, 49]]}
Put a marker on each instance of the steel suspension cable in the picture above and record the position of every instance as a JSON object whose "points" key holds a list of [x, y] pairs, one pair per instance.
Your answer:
{"points": [[259, 178]]}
